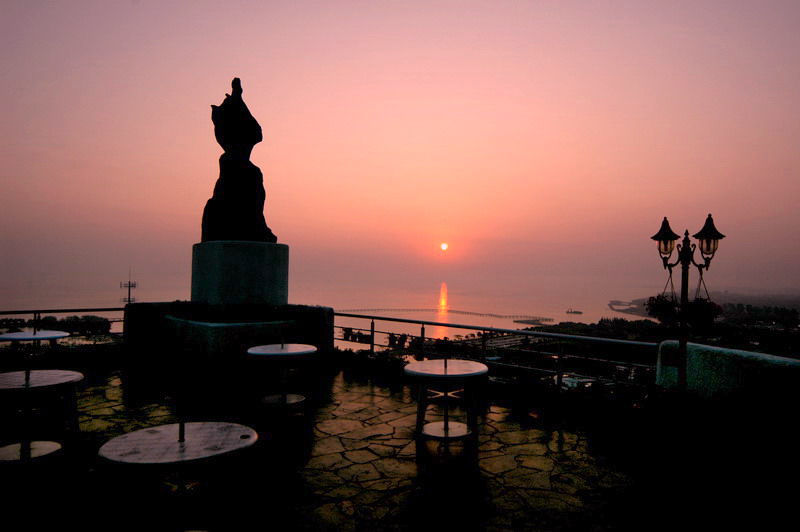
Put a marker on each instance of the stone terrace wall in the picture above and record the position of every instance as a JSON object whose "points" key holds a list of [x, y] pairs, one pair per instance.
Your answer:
{"points": [[716, 372]]}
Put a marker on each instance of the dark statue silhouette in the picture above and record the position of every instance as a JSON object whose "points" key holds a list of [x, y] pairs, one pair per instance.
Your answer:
{"points": [[236, 210]]}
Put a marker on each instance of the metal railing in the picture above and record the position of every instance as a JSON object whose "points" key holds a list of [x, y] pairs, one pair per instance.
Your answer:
{"points": [[59, 311], [518, 349], [36, 314]]}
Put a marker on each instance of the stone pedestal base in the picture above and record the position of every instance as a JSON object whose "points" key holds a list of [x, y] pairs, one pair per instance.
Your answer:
{"points": [[162, 333], [214, 340], [230, 272]]}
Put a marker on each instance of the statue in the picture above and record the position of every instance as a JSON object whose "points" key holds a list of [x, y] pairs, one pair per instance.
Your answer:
{"points": [[236, 210]]}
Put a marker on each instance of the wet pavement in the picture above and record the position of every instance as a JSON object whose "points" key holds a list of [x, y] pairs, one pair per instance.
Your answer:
{"points": [[348, 461], [366, 464]]}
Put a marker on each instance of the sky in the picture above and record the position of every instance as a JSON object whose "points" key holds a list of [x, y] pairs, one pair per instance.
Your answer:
{"points": [[544, 141]]}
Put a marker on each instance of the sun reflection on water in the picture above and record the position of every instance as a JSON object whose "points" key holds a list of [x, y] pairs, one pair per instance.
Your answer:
{"points": [[441, 311]]}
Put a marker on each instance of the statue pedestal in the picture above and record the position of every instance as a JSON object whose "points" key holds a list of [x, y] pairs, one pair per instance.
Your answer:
{"points": [[230, 272]]}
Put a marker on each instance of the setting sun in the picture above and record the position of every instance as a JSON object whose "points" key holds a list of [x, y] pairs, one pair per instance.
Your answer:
{"points": [[444, 246]]}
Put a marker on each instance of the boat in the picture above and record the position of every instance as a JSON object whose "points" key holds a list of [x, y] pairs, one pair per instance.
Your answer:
{"points": [[570, 310]]}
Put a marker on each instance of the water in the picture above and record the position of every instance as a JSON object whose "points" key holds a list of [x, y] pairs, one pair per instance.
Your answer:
{"points": [[439, 299]]}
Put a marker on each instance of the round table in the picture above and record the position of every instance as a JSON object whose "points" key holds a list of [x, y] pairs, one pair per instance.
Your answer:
{"points": [[28, 382], [35, 336], [454, 368], [23, 336], [38, 378], [283, 350], [163, 445], [446, 374], [282, 353], [27, 450]]}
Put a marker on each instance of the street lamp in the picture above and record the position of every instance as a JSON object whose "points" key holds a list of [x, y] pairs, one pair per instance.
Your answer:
{"points": [[708, 238]]}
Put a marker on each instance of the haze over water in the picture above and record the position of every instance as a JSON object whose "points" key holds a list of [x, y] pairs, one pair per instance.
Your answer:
{"points": [[427, 301]]}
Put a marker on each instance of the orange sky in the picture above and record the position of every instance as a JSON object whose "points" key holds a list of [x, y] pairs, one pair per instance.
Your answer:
{"points": [[539, 139]]}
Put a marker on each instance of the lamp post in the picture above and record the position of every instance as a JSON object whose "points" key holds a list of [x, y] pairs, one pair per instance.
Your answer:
{"points": [[708, 241]]}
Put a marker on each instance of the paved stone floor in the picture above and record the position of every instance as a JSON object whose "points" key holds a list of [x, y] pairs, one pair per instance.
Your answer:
{"points": [[365, 463], [349, 462]]}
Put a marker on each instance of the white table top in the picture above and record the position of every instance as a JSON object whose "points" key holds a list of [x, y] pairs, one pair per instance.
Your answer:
{"points": [[16, 452], [29, 335], [282, 349], [160, 445], [39, 378], [455, 367]]}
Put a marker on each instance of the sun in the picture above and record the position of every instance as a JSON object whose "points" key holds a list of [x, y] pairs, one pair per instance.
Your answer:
{"points": [[444, 246]]}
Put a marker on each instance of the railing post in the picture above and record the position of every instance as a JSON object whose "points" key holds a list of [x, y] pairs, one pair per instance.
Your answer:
{"points": [[422, 339], [559, 374], [483, 344], [372, 337]]}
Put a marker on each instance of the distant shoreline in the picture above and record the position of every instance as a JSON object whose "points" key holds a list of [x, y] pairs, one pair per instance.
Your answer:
{"points": [[634, 307]]}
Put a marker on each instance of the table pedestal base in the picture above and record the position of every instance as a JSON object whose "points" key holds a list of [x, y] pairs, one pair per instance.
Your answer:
{"points": [[289, 399], [25, 451], [455, 430]]}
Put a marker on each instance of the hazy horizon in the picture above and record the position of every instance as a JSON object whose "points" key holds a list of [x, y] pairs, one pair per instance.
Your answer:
{"points": [[543, 142]]}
